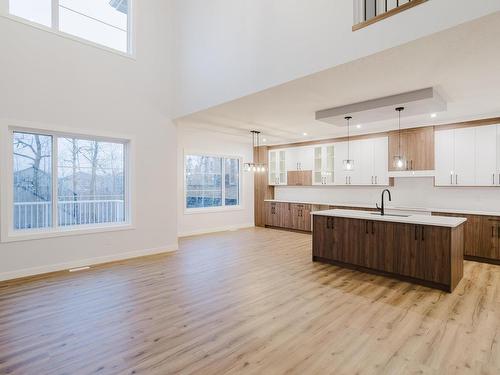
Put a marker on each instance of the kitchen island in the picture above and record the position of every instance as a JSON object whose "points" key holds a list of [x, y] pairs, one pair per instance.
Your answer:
{"points": [[426, 250]]}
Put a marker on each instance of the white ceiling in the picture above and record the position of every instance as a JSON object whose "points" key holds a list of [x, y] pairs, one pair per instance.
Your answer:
{"points": [[462, 63]]}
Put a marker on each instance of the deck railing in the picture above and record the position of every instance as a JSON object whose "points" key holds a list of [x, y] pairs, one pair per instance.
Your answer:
{"points": [[31, 215]]}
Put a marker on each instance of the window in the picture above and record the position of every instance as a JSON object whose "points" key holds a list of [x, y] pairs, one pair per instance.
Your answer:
{"points": [[104, 22], [62, 181], [212, 181]]}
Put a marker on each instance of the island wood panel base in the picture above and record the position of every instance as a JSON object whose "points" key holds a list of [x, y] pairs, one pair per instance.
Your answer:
{"points": [[482, 260], [431, 254], [396, 276]]}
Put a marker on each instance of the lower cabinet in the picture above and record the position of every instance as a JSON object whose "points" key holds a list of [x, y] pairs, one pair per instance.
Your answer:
{"points": [[428, 253], [481, 237], [289, 215]]}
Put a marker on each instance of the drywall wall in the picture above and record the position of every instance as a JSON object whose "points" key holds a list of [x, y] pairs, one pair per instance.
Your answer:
{"points": [[228, 49], [52, 80], [193, 140], [407, 192]]}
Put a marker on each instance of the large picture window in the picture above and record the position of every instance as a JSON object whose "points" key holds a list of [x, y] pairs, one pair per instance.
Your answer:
{"points": [[211, 181], [105, 22], [64, 181]]}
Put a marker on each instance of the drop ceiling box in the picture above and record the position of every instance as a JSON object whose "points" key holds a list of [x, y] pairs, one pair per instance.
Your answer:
{"points": [[424, 101]]}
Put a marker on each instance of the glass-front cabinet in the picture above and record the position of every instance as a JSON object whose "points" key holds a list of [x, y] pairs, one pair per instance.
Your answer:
{"points": [[277, 167], [324, 158]]}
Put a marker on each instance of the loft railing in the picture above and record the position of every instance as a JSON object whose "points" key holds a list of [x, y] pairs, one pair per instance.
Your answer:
{"points": [[367, 12]]}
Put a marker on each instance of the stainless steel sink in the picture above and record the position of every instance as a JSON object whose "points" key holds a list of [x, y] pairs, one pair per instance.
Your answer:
{"points": [[395, 215]]}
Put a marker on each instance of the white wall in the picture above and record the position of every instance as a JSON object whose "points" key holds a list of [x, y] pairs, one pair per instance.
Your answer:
{"points": [[226, 49], [46, 78], [202, 141], [407, 192]]}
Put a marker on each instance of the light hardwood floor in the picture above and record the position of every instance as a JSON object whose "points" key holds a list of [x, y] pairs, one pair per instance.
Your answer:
{"points": [[247, 302]]}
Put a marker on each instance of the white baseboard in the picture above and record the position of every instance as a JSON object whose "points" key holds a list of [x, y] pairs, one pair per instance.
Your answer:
{"points": [[86, 262], [215, 230]]}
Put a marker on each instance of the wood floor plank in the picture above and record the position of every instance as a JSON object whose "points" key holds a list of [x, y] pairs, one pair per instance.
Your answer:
{"points": [[246, 302]]}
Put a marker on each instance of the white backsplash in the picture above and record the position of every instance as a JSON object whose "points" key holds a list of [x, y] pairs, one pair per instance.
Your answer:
{"points": [[407, 192]]}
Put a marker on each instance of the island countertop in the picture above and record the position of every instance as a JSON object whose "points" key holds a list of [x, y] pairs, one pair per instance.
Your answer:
{"points": [[439, 221]]}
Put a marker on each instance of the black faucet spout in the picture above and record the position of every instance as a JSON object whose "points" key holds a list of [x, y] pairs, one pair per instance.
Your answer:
{"points": [[382, 208]]}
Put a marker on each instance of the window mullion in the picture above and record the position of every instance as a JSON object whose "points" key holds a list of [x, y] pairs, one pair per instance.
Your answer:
{"points": [[55, 14], [223, 182], [55, 198]]}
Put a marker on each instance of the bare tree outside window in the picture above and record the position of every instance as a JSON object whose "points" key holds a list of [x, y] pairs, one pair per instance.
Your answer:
{"points": [[32, 180]]}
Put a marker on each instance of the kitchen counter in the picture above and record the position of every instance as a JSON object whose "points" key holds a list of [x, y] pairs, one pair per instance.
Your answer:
{"points": [[395, 208], [439, 221]]}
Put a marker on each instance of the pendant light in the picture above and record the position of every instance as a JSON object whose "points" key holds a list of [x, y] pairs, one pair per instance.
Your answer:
{"points": [[348, 163], [255, 166], [399, 161]]}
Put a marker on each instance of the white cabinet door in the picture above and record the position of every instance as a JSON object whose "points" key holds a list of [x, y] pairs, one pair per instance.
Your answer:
{"points": [[355, 176], [363, 162], [272, 168], [498, 155], [486, 155], [381, 161], [341, 176], [465, 157], [329, 164], [318, 166], [292, 159], [444, 153], [282, 180], [306, 156]]}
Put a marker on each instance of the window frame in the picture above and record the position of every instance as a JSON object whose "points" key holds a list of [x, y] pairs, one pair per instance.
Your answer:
{"points": [[223, 207], [54, 28], [7, 231]]}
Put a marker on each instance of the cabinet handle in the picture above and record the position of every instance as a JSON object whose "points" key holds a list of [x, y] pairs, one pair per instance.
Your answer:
{"points": [[423, 231], [372, 180], [493, 179], [349, 180], [366, 227], [376, 180], [346, 180], [411, 168], [498, 232], [492, 231], [456, 179], [416, 228], [328, 222], [499, 178], [373, 227], [451, 178]]}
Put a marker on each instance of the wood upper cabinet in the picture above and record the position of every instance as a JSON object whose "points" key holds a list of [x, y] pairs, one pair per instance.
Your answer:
{"points": [[299, 178], [417, 149]]}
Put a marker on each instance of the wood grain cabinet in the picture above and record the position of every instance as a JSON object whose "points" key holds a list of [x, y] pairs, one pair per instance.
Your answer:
{"points": [[299, 178], [417, 148], [294, 216], [481, 237], [430, 255]]}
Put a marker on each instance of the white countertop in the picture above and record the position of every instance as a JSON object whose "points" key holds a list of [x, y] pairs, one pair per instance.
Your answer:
{"points": [[398, 208], [439, 221]]}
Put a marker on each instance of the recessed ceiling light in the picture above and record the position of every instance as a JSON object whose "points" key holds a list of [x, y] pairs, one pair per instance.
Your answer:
{"points": [[264, 140], [358, 126], [434, 115], [304, 134]]}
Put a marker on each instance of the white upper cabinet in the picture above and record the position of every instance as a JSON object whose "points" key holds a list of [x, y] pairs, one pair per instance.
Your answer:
{"points": [[445, 157], [299, 159], [323, 165], [486, 155], [381, 161], [465, 158], [370, 162], [277, 167], [468, 156]]}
